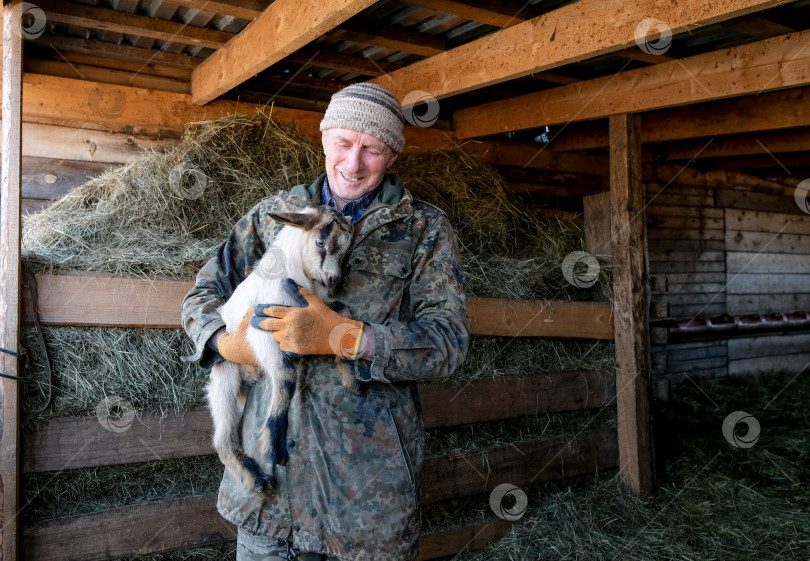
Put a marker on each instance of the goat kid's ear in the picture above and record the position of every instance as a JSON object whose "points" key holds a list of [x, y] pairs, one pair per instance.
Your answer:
{"points": [[305, 221]]}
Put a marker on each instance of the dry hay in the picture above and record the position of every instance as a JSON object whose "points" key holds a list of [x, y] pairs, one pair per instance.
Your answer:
{"points": [[714, 502], [166, 212]]}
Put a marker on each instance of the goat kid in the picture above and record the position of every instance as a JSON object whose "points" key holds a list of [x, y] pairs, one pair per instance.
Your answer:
{"points": [[308, 250]]}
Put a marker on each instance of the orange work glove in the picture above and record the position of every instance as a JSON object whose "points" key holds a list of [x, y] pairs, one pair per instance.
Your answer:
{"points": [[234, 346], [312, 329]]}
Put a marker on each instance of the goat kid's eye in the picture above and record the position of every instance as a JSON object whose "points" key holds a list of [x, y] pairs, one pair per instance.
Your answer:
{"points": [[319, 242]]}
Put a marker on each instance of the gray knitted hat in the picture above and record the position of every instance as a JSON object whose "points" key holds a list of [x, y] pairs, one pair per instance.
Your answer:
{"points": [[367, 108]]}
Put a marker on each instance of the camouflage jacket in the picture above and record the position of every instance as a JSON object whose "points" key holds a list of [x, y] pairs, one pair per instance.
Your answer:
{"points": [[352, 485]]}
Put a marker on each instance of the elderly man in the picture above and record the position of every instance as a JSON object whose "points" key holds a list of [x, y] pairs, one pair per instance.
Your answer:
{"points": [[351, 488]]}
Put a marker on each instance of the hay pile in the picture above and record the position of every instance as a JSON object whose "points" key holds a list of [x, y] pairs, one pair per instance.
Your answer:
{"points": [[165, 213]]}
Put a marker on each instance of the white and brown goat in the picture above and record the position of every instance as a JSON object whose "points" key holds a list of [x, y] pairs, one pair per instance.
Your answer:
{"points": [[310, 250]]}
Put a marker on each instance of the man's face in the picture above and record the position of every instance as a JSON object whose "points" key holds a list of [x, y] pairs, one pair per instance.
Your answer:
{"points": [[355, 162]]}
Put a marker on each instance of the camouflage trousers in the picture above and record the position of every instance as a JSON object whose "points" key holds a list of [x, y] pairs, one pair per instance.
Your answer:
{"points": [[250, 547]]}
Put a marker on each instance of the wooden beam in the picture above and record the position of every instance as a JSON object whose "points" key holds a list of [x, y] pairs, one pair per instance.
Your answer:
{"points": [[342, 62], [768, 111], [81, 442], [85, 104], [765, 142], [103, 299], [372, 32], [632, 374], [59, 44], [523, 463], [553, 40], [105, 19], [10, 303], [754, 68], [161, 526], [283, 28], [499, 13], [757, 27], [106, 75], [242, 10]]}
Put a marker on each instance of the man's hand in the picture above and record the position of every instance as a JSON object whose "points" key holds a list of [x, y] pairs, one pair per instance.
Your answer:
{"points": [[234, 346], [312, 329]]}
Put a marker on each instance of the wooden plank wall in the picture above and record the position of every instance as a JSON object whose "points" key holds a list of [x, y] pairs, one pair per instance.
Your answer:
{"points": [[715, 252]]}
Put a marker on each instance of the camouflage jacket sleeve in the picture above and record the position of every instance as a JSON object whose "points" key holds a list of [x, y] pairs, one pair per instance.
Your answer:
{"points": [[431, 337], [219, 277]]}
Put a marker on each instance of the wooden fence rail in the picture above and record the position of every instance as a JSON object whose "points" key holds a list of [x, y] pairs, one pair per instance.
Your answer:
{"points": [[193, 521], [100, 299]]}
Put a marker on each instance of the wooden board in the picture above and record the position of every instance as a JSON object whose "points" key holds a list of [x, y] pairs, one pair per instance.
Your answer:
{"points": [[597, 232], [765, 221], [283, 28], [769, 263], [799, 362], [632, 372], [78, 442], [751, 200], [766, 65], [10, 195], [525, 463], [744, 283], [109, 300], [192, 521], [48, 178], [741, 304], [768, 345], [549, 41], [759, 241], [48, 540]]}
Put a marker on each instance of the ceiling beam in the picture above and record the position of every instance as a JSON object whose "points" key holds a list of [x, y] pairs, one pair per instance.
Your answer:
{"points": [[224, 8], [342, 62], [94, 17], [283, 28], [375, 33], [500, 13], [751, 114], [765, 142], [771, 64], [60, 45], [575, 32]]}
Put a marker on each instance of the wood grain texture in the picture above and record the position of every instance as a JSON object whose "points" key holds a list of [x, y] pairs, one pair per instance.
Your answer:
{"points": [[79, 442], [632, 373], [550, 41], [109, 300], [766, 65], [10, 195], [283, 28]]}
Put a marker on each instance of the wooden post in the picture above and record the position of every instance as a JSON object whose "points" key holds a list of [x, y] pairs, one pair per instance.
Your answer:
{"points": [[632, 374], [10, 276]]}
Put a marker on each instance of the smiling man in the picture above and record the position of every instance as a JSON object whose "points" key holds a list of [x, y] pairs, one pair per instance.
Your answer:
{"points": [[351, 488]]}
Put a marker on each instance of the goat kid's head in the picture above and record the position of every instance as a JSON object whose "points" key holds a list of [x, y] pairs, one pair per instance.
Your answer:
{"points": [[326, 239]]}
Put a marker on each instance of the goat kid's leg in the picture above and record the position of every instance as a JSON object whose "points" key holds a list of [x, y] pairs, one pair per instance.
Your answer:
{"points": [[273, 440], [223, 398], [347, 378]]}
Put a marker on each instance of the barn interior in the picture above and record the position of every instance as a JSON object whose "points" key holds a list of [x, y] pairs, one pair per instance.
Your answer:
{"points": [[674, 135]]}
